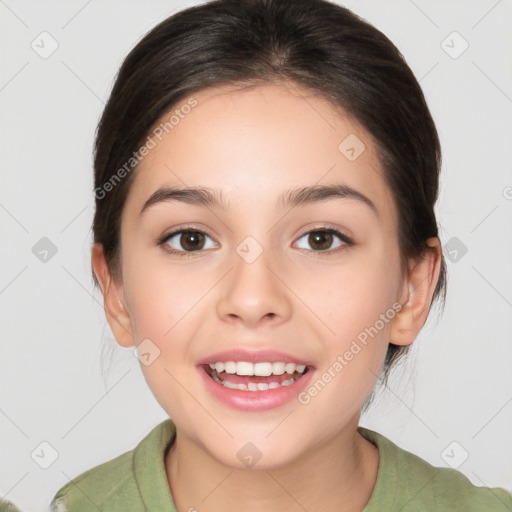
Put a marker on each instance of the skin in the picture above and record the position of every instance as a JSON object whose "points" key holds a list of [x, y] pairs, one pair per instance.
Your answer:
{"points": [[253, 144]]}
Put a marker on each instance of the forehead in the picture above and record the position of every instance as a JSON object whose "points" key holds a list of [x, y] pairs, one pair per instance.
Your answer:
{"points": [[253, 143]]}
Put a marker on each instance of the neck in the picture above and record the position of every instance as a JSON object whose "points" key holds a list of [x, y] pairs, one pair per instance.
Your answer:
{"points": [[337, 476]]}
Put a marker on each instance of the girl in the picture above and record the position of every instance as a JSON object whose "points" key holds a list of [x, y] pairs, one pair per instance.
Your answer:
{"points": [[265, 180]]}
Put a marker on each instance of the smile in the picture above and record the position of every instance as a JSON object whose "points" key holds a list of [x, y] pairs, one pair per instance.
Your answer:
{"points": [[252, 381]]}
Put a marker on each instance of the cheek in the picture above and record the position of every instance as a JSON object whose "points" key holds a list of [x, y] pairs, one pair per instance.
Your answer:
{"points": [[356, 303], [351, 296], [164, 308], [168, 306], [159, 296]]}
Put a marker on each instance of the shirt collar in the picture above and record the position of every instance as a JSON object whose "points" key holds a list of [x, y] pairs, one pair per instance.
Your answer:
{"points": [[151, 476], [149, 467]]}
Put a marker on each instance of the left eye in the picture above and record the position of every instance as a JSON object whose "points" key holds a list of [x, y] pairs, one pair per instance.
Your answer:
{"points": [[322, 239]]}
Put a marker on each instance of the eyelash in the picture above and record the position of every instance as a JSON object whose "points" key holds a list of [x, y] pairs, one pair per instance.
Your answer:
{"points": [[190, 254]]}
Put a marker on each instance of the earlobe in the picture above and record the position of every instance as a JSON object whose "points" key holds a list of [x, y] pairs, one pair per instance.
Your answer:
{"points": [[417, 295], [115, 307]]}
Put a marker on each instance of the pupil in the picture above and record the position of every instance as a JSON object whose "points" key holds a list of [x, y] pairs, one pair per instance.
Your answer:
{"points": [[321, 236], [193, 236]]}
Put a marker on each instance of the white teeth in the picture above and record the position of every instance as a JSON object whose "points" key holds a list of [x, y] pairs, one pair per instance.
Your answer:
{"points": [[278, 368], [243, 368], [263, 369], [230, 367], [289, 368], [229, 385], [253, 386]]}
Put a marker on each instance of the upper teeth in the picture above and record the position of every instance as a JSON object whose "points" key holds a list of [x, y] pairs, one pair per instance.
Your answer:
{"points": [[259, 369]]}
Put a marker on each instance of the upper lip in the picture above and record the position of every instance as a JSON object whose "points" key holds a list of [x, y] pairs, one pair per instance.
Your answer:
{"points": [[255, 356]]}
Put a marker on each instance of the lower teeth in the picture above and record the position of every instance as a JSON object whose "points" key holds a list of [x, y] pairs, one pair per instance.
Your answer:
{"points": [[253, 386]]}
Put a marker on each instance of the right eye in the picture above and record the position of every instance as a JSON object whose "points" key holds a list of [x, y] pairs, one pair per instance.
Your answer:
{"points": [[189, 240]]}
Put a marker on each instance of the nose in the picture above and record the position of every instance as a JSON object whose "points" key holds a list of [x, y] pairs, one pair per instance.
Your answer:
{"points": [[254, 293]]}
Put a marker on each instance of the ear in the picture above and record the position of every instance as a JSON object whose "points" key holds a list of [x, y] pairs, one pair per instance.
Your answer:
{"points": [[416, 297], [115, 306]]}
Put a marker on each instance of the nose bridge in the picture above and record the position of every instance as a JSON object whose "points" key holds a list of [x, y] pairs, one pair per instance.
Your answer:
{"points": [[252, 291]]}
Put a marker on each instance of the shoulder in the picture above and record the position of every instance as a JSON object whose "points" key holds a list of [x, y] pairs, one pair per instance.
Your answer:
{"points": [[92, 490], [418, 485], [127, 482], [450, 489]]}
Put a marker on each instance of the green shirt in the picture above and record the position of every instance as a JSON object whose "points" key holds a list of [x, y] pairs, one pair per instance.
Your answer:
{"points": [[136, 481]]}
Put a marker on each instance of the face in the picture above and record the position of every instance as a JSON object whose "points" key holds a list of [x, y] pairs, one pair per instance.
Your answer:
{"points": [[260, 273]]}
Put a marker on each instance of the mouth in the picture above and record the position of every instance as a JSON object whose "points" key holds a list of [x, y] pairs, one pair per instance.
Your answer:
{"points": [[254, 381], [254, 377]]}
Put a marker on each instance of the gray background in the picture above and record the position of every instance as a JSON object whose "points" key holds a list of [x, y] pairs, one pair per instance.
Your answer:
{"points": [[455, 387]]}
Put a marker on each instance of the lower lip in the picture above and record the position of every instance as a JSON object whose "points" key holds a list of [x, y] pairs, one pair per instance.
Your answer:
{"points": [[255, 400]]}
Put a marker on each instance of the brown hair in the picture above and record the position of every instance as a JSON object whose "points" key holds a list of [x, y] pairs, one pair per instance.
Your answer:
{"points": [[313, 43]]}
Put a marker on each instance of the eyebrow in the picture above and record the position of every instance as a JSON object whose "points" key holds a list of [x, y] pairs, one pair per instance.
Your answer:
{"points": [[291, 198]]}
